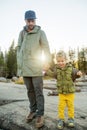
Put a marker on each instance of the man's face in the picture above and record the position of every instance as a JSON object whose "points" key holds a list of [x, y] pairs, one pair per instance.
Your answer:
{"points": [[30, 23]]}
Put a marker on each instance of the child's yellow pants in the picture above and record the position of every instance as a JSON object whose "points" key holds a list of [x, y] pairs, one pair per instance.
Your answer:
{"points": [[66, 100]]}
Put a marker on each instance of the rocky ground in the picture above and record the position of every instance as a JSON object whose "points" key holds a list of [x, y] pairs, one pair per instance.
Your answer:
{"points": [[14, 107]]}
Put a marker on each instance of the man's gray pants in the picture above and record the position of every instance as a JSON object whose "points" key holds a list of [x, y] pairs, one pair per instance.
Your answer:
{"points": [[35, 94]]}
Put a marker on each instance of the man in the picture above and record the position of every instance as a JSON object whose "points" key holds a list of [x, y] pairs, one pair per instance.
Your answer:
{"points": [[31, 42]]}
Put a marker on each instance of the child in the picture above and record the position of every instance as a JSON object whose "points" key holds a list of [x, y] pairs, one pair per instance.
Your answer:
{"points": [[65, 75]]}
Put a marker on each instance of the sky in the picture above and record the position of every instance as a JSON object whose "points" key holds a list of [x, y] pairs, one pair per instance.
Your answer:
{"points": [[64, 22]]}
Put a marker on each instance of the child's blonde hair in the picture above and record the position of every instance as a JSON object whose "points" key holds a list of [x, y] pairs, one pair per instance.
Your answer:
{"points": [[61, 53]]}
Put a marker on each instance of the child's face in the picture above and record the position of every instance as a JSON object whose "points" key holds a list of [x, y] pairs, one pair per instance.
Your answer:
{"points": [[61, 61]]}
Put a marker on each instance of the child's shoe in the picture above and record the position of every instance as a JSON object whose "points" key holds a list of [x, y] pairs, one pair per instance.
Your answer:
{"points": [[71, 122], [60, 124]]}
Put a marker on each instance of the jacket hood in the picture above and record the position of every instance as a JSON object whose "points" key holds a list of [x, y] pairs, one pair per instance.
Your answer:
{"points": [[35, 30]]}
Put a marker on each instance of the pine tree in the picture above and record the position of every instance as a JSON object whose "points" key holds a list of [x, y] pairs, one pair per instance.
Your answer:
{"points": [[11, 61]]}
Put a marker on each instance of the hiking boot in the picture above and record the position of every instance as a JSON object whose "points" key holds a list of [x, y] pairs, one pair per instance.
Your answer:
{"points": [[71, 122], [60, 124], [39, 121], [30, 117]]}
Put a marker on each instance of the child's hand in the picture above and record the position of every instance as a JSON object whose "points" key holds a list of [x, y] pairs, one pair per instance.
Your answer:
{"points": [[46, 67], [79, 73]]}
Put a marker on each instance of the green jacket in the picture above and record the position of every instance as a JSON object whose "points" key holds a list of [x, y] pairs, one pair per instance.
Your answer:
{"points": [[65, 78], [29, 50]]}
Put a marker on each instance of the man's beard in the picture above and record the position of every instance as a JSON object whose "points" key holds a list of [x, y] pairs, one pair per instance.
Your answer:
{"points": [[31, 27]]}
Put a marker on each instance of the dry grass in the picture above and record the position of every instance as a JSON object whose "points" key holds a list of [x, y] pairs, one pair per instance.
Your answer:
{"points": [[19, 81]]}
